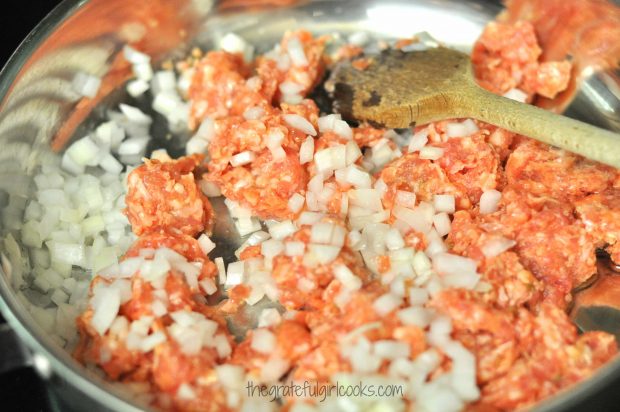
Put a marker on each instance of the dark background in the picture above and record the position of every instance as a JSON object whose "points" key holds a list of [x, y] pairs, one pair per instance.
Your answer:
{"points": [[21, 390]]}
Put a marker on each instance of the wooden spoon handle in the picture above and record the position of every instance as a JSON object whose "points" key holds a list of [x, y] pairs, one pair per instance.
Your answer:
{"points": [[560, 131]]}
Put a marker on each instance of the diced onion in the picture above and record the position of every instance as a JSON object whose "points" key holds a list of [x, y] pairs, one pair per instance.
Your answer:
{"points": [[386, 303], [442, 223], [465, 128], [406, 199], [84, 152], [347, 277], [206, 244], [415, 316], [133, 56], [306, 151], [324, 253], [283, 229], [489, 201], [419, 218], [389, 349], [86, 84], [263, 341], [418, 296], [269, 317], [394, 240], [516, 94], [105, 308], [296, 202], [235, 274], [357, 177], [418, 140], [444, 203], [431, 153], [496, 246], [210, 189], [294, 248], [446, 263], [208, 286], [243, 158], [271, 248], [296, 52], [300, 123]]}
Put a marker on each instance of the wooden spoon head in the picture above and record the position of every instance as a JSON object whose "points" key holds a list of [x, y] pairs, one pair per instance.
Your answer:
{"points": [[399, 89]]}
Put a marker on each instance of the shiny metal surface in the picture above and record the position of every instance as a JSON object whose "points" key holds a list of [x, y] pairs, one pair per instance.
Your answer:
{"points": [[38, 103], [598, 100]]}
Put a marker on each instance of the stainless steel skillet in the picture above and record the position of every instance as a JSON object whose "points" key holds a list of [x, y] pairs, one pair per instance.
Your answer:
{"points": [[86, 35]]}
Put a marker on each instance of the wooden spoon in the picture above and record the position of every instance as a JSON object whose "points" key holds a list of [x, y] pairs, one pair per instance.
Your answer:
{"points": [[400, 89]]}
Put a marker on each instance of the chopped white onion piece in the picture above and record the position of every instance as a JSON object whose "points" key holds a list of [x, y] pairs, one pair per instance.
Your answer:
{"points": [[294, 248], [418, 296], [206, 131], [233, 43], [322, 233], [282, 229], [516, 94], [105, 307], [446, 263], [489, 201], [296, 52], [366, 198], [110, 164], [243, 158], [134, 146], [235, 274], [208, 286], [143, 71], [353, 152], [296, 202], [185, 392], [263, 341], [221, 269], [210, 189], [390, 349], [309, 218], [442, 223], [496, 246], [86, 84], [253, 113], [431, 152], [135, 115], [386, 303], [246, 225], [348, 279], [133, 56], [465, 128], [306, 151], [206, 244], [84, 152], [394, 240], [420, 218], [300, 123], [323, 253], [418, 141], [289, 87], [150, 342], [357, 177], [406, 199], [415, 316], [269, 317], [444, 203], [271, 248]]}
